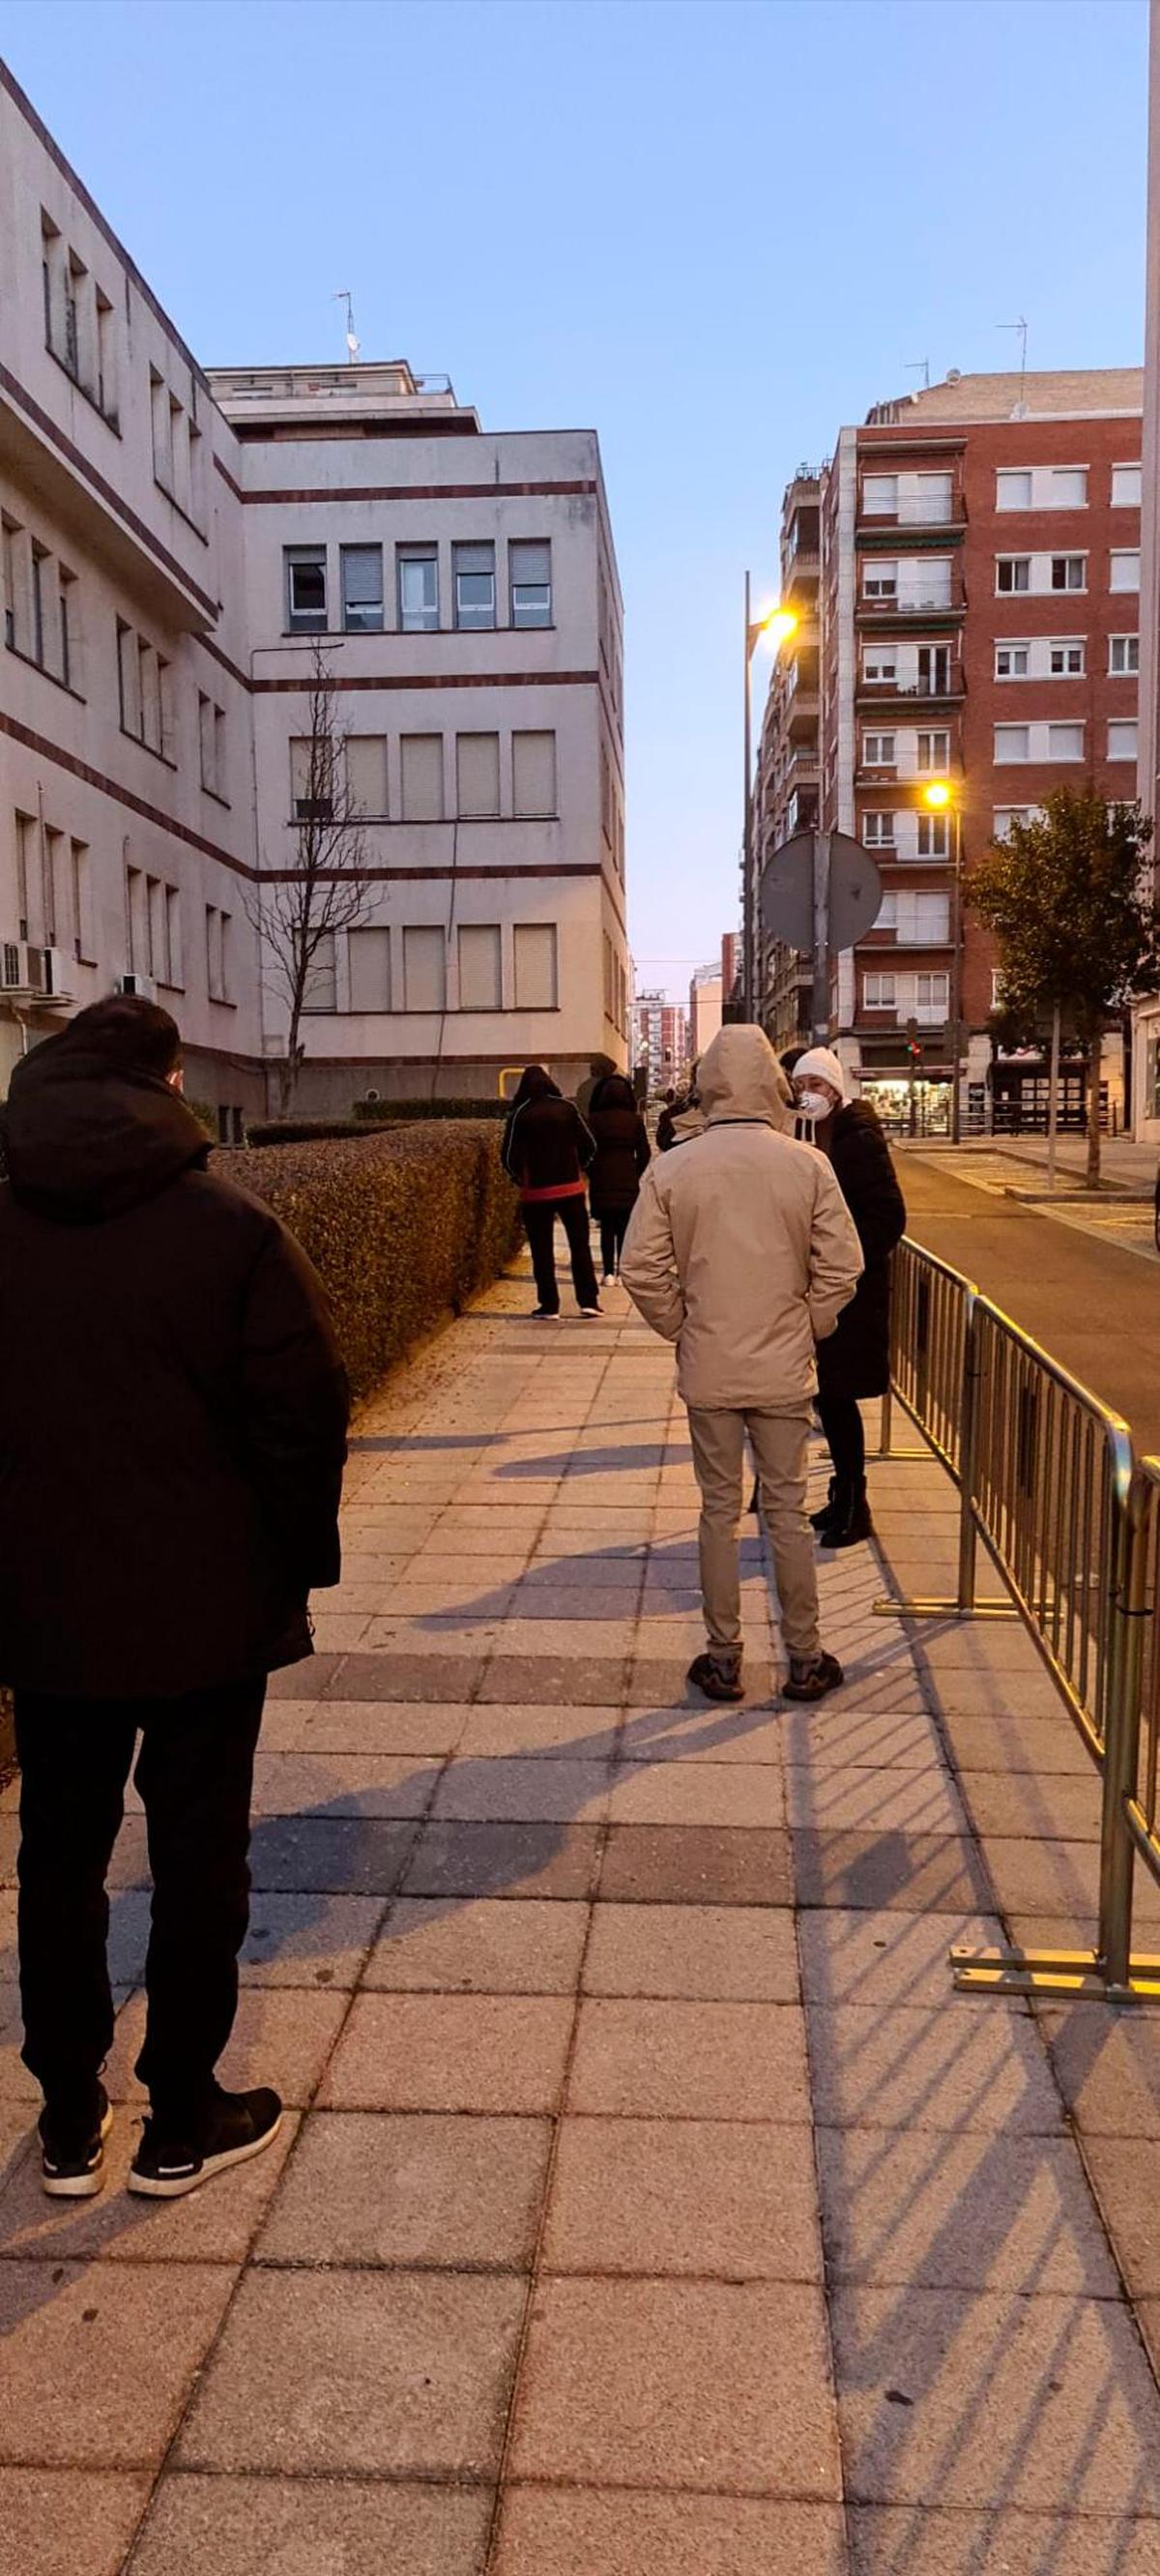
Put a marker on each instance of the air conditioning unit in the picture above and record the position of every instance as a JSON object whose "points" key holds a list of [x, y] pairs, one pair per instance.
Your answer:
{"points": [[140, 987], [31, 974]]}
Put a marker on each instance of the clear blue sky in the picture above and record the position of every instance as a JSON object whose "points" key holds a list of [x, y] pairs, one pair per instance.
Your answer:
{"points": [[715, 229]]}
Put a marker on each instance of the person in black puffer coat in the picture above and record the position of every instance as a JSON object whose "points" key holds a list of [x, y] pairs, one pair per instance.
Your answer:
{"points": [[547, 1149], [622, 1151], [855, 1362]]}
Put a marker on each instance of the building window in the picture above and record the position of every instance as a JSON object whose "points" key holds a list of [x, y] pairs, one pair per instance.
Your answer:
{"points": [[880, 580], [1012, 742], [930, 994], [878, 992], [1013, 572], [418, 579], [67, 625], [308, 773], [1126, 493], [533, 773], [1065, 742], [474, 569], [1066, 660], [1012, 661], [480, 967], [1066, 488], [1123, 656], [9, 536], [477, 776], [39, 560], [530, 578], [305, 589], [421, 759], [878, 831], [879, 663], [880, 496], [534, 954], [1125, 574], [1122, 738], [424, 969], [173, 937], [369, 957], [217, 955], [1013, 488], [1069, 572], [362, 589], [321, 986], [79, 886], [1005, 815], [933, 754], [878, 751], [933, 841], [366, 774]]}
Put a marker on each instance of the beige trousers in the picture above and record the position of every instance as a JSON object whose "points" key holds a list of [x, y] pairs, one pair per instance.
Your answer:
{"points": [[779, 1447]]}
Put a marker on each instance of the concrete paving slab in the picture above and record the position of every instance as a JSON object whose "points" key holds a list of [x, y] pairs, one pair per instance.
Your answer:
{"points": [[438, 1676], [368, 2372], [505, 1788], [1107, 2066], [968, 2064], [892, 2541], [580, 1681], [716, 2199], [690, 2061], [703, 1953], [342, 1855], [342, 1784], [328, 1726], [696, 1865], [678, 2384], [830, 1798], [848, 1957], [69, 2522], [412, 2189], [664, 1793], [1125, 2175], [549, 2531], [504, 1860], [949, 2398], [918, 1873], [979, 2212], [858, 1739], [207, 2227], [656, 1681], [489, 1946], [282, 2036], [100, 2357], [1062, 1877], [556, 1732], [450, 2053], [1046, 1745], [318, 2526]]}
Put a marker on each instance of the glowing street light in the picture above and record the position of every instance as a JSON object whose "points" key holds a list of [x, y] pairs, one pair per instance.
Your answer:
{"points": [[777, 625], [938, 795]]}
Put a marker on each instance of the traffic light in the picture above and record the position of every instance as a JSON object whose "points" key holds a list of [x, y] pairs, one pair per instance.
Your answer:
{"points": [[913, 1046]]}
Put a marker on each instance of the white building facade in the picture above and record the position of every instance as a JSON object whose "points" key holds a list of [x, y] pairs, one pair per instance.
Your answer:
{"points": [[176, 547]]}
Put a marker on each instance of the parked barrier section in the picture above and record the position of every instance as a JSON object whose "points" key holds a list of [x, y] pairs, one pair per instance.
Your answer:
{"points": [[1047, 1480]]}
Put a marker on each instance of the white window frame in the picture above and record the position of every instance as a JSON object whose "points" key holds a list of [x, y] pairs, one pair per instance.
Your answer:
{"points": [[1119, 555], [877, 568], [1067, 644], [938, 830], [1066, 724], [1115, 724], [304, 621], [876, 840], [880, 758], [1124, 669], [884, 653], [930, 767], [1013, 645], [1011, 589], [1004, 474], [1117, 500], [885, 997], [1002, 756], [1066, 589]]}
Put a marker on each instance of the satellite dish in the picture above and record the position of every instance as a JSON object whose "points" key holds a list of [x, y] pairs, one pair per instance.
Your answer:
{"points": [[954, 375]]}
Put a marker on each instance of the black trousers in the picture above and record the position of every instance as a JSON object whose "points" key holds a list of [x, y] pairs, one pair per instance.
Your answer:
{"points": [[195, 1774], [613, 1229], [539, 1219], [842, 1424]]}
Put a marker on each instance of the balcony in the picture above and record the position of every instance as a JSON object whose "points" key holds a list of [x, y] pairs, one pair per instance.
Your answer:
{"points": [[933, 602], [948, 692]]}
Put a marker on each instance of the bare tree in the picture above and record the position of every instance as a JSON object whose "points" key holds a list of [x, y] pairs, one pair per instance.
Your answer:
{"points": [[299, 916]]}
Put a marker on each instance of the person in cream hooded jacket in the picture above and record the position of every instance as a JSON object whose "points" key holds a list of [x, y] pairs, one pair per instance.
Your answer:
{"points": [[742, 1251]]}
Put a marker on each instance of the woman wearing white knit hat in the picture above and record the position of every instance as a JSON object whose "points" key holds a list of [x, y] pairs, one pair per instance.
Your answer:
{"points": [[854, 1362]]}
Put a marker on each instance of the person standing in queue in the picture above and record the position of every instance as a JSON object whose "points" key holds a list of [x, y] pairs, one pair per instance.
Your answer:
{"points": [[547, 1149], [854, 1362], [622, 1152]]}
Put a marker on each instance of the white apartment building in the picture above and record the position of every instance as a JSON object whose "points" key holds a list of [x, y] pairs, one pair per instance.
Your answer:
{"points": [[175, 547]]}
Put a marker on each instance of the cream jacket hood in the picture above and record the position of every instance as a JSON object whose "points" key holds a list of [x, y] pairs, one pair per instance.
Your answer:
{"points": [[741, 1249]]}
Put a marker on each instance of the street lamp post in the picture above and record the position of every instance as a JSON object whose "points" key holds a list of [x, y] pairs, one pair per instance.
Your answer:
{"points": [[777, 623], [941, 799]]}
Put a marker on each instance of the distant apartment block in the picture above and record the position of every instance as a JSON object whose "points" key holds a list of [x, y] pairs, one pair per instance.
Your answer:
{"points": [[660, 1042], [175, 545]]}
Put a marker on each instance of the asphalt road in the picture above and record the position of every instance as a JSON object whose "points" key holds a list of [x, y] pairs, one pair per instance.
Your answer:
{"points": [[1094, 1306]]}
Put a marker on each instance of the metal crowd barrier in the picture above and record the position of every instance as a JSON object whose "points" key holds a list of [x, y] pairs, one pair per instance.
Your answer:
{"points": [[1047, 1480]]}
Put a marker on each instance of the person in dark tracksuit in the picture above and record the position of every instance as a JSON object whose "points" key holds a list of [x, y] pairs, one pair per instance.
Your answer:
{"points": [[547, 1148], [622, 1151], [172, 1435], [854, 1363]]}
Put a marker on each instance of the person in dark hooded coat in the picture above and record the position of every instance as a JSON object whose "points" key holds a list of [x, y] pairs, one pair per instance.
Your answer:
{"points": [[547, 1149], [172, 1435], [622, 1151], [854, 1362]]}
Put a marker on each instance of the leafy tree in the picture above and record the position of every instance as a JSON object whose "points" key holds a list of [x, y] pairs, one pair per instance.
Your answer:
{"points": [[298, 915], [1070, 900]]}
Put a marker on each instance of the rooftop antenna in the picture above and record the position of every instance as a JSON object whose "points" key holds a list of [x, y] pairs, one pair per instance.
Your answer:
{"points": [[912, 368], [342, 296], [1021, 327]]}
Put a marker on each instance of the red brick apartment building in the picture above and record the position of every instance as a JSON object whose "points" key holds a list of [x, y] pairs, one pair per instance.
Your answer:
{"points": [[977, 628]]}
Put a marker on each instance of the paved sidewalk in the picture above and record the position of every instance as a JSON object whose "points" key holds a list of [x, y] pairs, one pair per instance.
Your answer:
{"points": [[649, 2204]]}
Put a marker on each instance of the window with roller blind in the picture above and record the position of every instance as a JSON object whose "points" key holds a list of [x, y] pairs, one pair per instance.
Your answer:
{"points": [[362, 589], [307, 807], [321, 989], [424, 969], [369, 954], [534, 951], [533, 773], [366, 772], [480, 966], [421, 761], [477, 776]]}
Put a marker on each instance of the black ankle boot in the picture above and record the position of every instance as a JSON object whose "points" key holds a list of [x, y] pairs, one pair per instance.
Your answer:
{"points": [[855, 1525], [835, 1507]]}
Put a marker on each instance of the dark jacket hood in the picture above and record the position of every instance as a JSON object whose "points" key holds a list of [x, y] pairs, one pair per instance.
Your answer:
{"points": [[87, 1140]]}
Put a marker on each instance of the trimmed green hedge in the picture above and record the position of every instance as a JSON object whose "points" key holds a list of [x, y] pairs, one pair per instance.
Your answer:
{"points": [[401, 1227], [375, 1113]]}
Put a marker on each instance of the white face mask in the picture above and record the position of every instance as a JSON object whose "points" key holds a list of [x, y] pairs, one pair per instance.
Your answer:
{"points": [[813, 1104]]}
